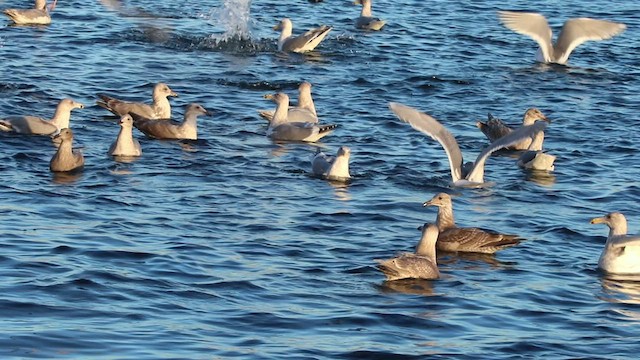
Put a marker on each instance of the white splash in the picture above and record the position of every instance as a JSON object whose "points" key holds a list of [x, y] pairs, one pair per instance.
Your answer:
{"points": [[233, 18]]}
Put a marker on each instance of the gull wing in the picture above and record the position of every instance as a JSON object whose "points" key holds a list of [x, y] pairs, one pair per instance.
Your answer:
{"points": [[630, 240], [531, 24], [577, 31], [430, 126]]}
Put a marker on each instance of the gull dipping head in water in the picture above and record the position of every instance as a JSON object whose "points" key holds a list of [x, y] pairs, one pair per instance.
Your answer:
{"points": [[305, 111], [334, 168], [574, 32], [470, 239], [469, 174], [419, 265], [301, 43], [38, 15], [66, 159], [125, 144], [159, 109], [172, 130], [495, 128], [281, 129], [33, 125], [621, 253], [366, 21]]}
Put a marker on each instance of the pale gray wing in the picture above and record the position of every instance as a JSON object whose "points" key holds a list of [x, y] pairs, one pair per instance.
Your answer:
{"points": [[159, 129], [430, 126], [292, 131], [577, 31], [307, 39], [321, 163], [531, 24], [32, 125], [476, 174], [630, 240]]}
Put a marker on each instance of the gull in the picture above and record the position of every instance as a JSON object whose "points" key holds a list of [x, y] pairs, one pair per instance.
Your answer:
{"points": [[495, 128], [332, 167], [574, 32], [621, 253], [470, 174], [125, 144], [167, 129], [366, 21], [33, 125], [159, 109], [419, 265], [305, 111], [281, 129], [301, 43], [537, 159], [38, 15], [65, 159], [470, 239]]}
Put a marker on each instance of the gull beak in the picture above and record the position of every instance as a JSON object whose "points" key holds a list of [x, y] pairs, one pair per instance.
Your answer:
{"points": [[598, 220], [277, 27], [427, 203], [79, 105], [173, 93], [269, 96]]}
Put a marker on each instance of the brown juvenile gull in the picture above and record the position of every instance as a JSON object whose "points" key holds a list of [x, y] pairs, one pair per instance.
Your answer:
{"points": [[168, 129], [283, 130], [419, 265], [472, 239], [495, 128], [537, 159], [125, 144], [301, 43], [66, 159], [366, 20], [305, 111], [469, 174], [38, 15], [574, 32], [332, 167], [621, 253], [159, 109], [33, 125]]}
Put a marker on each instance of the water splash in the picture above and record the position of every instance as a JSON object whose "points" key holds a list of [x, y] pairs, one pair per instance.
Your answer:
{"points": [[233, 18]]}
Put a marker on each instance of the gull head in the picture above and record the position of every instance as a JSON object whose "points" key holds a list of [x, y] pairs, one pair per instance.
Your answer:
{"points": [[344, 151], [64, 135], [439, 200], [532, 115], [197, 109], [278, 98], [126, 121], [284, 24], [613, 220], [70, 104], [164, 89]]}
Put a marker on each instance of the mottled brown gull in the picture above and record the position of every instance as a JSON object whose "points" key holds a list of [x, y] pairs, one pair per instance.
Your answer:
{"points": [[34, 125], [621, 253], [125, 144], [469, 239], [65, 158], [495, 128], [366, 20], [38, 15], [159, 109], [169, 129], [334, 168], [283, 130], [419, 265], [301, 43], [574, 32], [304, 111], [469, 174]]}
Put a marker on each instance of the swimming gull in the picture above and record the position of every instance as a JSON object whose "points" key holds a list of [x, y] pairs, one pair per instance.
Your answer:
{"points": [[168, 129], [159, 109], [469, 174], [305, 111], [301, 43], [537, 159], [38, 15], [33, 125], [283, 130], [332, 167], [366, 20], [621, 254], [419, 265], [574, 32], [495, 128], [470, 239], [125, 144], [65, 158]]}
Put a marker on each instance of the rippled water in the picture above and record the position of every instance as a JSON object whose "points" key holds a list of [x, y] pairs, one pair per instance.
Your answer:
{"points": [[227, 247]]}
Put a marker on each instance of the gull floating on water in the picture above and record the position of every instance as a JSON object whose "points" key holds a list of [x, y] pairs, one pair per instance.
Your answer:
{"points": [[159, 109], [574, 32], [471, 239], [301, 43], [621, 254], [419, 265], [366, 20], [469, 174], [38, 15], [125, 144], [537, 159], [65, 158], [305, 111], [282, 129], [495, 128], [168, 129], [332, 167], [33, 125]]}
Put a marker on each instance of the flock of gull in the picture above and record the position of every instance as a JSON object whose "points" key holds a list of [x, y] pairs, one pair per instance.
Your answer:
{"points": [[300, 123]]}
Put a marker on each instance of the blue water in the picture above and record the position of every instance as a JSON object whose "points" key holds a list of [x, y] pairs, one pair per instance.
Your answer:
{"points": [[226, 247]]}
